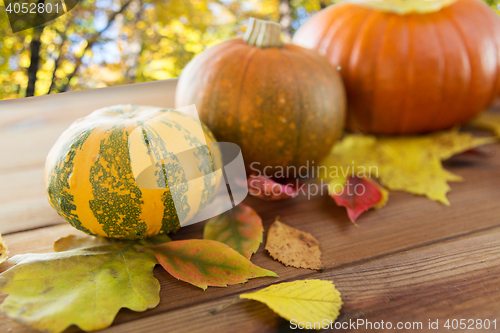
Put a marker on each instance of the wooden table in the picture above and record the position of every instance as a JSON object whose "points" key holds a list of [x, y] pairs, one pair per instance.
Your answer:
{"points": [[413, 261]]}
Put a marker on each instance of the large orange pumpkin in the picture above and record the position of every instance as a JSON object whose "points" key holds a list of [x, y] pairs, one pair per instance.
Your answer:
{"points": [[284, 105], [410, 66]]}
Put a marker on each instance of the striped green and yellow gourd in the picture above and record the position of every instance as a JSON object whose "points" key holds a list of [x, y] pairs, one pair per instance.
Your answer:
{"points": [[90, 180]]}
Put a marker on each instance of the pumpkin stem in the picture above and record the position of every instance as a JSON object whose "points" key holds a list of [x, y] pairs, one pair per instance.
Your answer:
{"points": [[263, 34]]}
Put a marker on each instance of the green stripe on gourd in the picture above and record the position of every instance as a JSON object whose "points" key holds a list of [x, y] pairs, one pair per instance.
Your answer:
{"points": [[59, 198], [117, 213], [203, 153], [157, 146]]}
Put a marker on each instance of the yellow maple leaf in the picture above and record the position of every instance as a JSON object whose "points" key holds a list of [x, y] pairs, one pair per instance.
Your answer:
{"points": [[306, 301], [4, 253], [411, 164], [488, 121]]}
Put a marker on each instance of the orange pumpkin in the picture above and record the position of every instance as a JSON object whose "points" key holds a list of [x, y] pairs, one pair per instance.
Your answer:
{"points": [[284, 105], [410, 66]]}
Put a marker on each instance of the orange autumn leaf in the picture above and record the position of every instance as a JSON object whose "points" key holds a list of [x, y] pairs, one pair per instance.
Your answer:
{"points": [[204, 263], [240, 228], [293, 247]]}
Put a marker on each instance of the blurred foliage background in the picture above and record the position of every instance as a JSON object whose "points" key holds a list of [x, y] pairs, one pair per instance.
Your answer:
{"points": [[112, 42]]}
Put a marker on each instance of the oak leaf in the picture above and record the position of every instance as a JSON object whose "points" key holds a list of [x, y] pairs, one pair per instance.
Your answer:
{"points": [[357, 195], [411, 164], [85, 284], [293, 247], [204, 263], [306, 301], [240, 228]]}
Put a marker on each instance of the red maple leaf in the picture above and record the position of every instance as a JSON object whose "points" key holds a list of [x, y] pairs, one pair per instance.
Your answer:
{"points": [[358, 195]]}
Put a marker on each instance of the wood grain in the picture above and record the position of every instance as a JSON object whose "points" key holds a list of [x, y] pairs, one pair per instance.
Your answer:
{"points": [[458, 278], [413, 260], [28, 129], [351, 273], [30, 126]]}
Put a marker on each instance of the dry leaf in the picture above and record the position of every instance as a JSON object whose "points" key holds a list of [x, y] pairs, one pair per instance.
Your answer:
{"points": [[239, 228], [305, 301], [267, 189], [488, 121], [4, 252], [204, 263], [85, 286], [357, 195], [293, 247], [411, 164]]}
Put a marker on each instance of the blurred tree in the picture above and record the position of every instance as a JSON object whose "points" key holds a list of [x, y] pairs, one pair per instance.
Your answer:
{"points": [[495, 4], [110, 42]]}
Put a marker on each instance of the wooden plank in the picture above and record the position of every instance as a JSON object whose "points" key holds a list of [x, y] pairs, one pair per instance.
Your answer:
{"points": [[352, 271], [458, 278], [28, 129], [406, 221], [455, 279], [23, 201], [24, 113], [30, 126]]}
